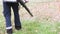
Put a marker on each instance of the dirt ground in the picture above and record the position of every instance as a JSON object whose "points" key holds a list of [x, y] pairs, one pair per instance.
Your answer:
{"points": [[49, 10]]}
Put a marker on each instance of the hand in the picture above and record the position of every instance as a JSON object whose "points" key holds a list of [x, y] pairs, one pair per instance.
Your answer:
{"points": [[25, 1]]}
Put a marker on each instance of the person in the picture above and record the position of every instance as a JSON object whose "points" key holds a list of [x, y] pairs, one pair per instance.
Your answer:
{"points": [[7, 4]]}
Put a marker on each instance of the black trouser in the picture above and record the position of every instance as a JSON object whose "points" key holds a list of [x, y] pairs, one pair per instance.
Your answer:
{"points": [[7, 13]]}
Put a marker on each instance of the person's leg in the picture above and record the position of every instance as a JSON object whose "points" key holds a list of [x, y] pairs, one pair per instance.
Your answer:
{"points": [[16, 16], [7, 15]]}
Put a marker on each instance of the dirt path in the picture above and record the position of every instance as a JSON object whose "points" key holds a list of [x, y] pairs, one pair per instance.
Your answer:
{"points": [[40, 10]]}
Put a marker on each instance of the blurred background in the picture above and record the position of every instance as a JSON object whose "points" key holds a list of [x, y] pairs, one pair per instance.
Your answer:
{"points": [[46, 19]]}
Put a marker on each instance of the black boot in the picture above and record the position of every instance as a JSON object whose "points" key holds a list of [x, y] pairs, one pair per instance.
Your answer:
{"points": [[18, 27], [9, 31]]}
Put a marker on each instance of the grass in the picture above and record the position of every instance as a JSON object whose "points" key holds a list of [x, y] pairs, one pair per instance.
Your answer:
{"points": [[35, 26]]}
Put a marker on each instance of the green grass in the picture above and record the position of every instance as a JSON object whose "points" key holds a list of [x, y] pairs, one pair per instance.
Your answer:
{"points": [[35, 27]]}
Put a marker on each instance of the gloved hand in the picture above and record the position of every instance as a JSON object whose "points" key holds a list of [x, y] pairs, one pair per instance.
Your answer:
{"points": [[25, 1]]}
